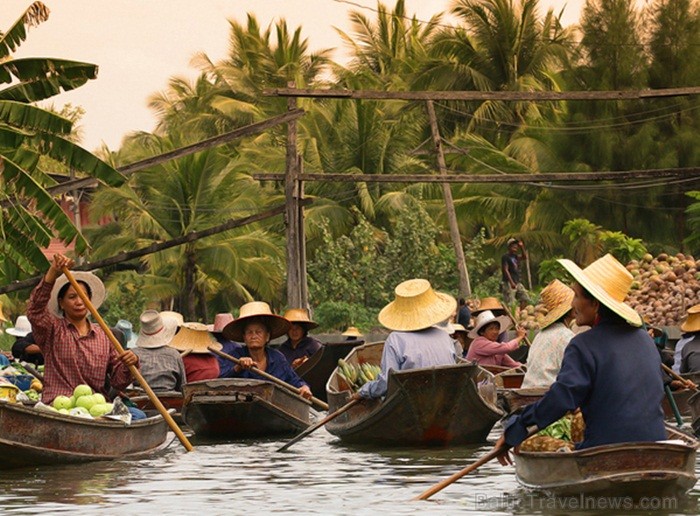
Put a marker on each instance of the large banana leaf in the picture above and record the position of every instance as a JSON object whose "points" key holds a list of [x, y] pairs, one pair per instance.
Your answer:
{"points": [[13, 38], [42, 78], [25, 117]]}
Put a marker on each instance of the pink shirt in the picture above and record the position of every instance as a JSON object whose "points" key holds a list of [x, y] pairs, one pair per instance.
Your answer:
{"points": [[487, 352], [71, 360]]}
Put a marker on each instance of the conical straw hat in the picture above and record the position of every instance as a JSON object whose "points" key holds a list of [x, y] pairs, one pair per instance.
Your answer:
{"points": [[488, 303], [692, 322], [608, 281], [253, 312], [194, 336], [300, 316], [556, 298], [416, 307], [352, 331]]}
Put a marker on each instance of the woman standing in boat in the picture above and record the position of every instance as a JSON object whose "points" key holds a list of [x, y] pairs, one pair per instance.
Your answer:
{"points": [[612, 371], [255, 326], [75, 350], [415, 341], [299, 345]]}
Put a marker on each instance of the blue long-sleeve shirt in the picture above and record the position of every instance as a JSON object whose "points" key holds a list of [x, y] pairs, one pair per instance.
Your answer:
{"points": [[228, 347], [613, 372], [277, 366], [410, 350]]}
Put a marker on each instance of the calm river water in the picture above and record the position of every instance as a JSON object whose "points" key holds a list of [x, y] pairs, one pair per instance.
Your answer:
{"points": [[316, 476]]}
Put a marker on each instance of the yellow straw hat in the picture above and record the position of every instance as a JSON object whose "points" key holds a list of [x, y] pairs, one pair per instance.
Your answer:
{"points": [[195, 337], [608, 281], [556, 298], [300, 316], [351, 332], [416, 307], [458, 328], [692, 321], [256, 310], [488, 303]]}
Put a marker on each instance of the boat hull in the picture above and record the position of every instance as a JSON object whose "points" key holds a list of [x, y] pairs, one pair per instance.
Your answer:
{"points": [[319, 367], [234, 408]]}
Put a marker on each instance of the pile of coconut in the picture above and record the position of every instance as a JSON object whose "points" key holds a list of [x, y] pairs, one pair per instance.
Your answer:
{"points": [[663, 289]]}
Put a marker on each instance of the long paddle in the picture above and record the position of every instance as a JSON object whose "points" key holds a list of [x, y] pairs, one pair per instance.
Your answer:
{"points": [[135, 372], [688, 383], [318, 425], [296, 390]]}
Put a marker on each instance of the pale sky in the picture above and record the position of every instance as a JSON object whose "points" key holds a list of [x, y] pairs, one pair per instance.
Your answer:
{"points": [[139, 44]]}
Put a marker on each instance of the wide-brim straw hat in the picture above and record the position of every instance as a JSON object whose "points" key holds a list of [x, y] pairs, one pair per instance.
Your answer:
{"points": [[300, 316], [608, 281], [22, 327], [692, 321], [256, 311], [195, 338], [488, 303], [220, 322], [417, 306], [351, 332], [97, 289], [556, 298], [458, 328], [487, 317], [155, 331]]}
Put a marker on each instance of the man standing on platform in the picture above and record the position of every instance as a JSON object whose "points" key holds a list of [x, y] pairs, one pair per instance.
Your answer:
{"points": [[511, 287]]}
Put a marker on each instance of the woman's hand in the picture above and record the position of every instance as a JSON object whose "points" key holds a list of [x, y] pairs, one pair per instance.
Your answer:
{"points": [[521, 332], [504, 457], [128, 358], [305, 392], [298, 361], [246, 363], [56, 268]]}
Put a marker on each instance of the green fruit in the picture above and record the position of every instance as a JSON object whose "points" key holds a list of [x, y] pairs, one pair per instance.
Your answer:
{"points": [[99, 409], [100, 398], [63, 411], [82, 390], [61, 402], [86, 402]]}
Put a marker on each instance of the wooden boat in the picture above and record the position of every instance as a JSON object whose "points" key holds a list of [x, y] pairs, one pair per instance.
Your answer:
{"points": [[694, 404], [319, 367], [681, 397], [513, 399], [31, 437], [232, 408], [169, 399], [435, 406], [627, 469], [506, 377]]}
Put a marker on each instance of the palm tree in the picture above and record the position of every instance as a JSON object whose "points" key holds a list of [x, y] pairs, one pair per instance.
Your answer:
{"points": [[30, 215], [185, 195]]}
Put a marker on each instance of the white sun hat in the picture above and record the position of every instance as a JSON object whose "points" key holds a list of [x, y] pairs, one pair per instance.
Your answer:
{"points": [[487, 317], [97, 290], [22, 327]]}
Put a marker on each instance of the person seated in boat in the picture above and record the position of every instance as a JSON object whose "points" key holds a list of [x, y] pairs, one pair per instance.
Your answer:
{"points": [[547, 349], [496, 308], [415, 340], [75, 350], [691, 334], [227, 346], [161, 365], [690, 354], [461, 337], [612, 371], [352, 334], [192, 341], [464, 314], [24, 348], [485, 348], [299, 345], [256, 325]]}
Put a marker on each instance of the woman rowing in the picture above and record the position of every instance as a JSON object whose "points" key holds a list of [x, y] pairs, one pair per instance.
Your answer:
{"points": [[299, 345]]}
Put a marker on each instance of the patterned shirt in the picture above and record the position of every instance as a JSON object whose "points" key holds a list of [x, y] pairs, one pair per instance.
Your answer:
{"points": [[411, 350], [306, 347], [162, 368], [546, 354], [71, 359]]}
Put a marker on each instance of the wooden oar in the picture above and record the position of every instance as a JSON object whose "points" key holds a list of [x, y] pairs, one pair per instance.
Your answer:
{"points": [[296, 390], [318, 425], [134, 371], [688, 383], [515, 323]]}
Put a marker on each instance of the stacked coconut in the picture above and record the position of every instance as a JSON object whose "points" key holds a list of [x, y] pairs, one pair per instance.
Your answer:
{"points": [[664, 287]]}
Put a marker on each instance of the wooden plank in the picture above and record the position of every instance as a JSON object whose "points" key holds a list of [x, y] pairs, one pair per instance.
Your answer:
{"points": [[291, 195], [482, 95], [551, 177]]}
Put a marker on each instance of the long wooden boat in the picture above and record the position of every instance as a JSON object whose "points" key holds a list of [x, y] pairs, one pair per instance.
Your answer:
{"points": [[31, 437], [513, 399], [232, 408], [319, 367], [169, 399], [694, 404], [436, 406], [629, 469]]}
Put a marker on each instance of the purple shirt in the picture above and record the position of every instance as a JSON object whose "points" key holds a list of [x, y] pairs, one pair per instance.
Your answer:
{"points": [[306, 347]]}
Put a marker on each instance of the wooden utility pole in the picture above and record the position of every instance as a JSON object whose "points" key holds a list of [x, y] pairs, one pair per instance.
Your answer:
{"points": [[464, 286], [303, 284], [292, 214]]}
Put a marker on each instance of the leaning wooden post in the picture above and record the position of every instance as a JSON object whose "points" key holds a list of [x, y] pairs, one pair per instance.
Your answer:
{"points": [[464, 286], [292, 211], [303, 283]]}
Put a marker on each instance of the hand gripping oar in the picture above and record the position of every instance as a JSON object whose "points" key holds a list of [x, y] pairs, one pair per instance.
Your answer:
{"points": [[296, 390], [687, 383], [135, 372], [318, 425]]}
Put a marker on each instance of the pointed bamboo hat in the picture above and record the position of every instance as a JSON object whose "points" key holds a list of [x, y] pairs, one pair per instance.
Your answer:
{"points": [[352, 331], [487, 303], [608, 281], [416, 306], [195, 337], [300, 316], [556, 298]]}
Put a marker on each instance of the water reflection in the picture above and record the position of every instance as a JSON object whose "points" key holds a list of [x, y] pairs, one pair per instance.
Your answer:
{"points": [[318, 475]]}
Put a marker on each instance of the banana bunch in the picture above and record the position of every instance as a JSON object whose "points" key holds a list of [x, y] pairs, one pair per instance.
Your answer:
{"points": [[356, 375]]}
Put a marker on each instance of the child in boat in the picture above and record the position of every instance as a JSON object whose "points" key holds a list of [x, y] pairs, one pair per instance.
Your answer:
{"points": [[485, 348]]}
